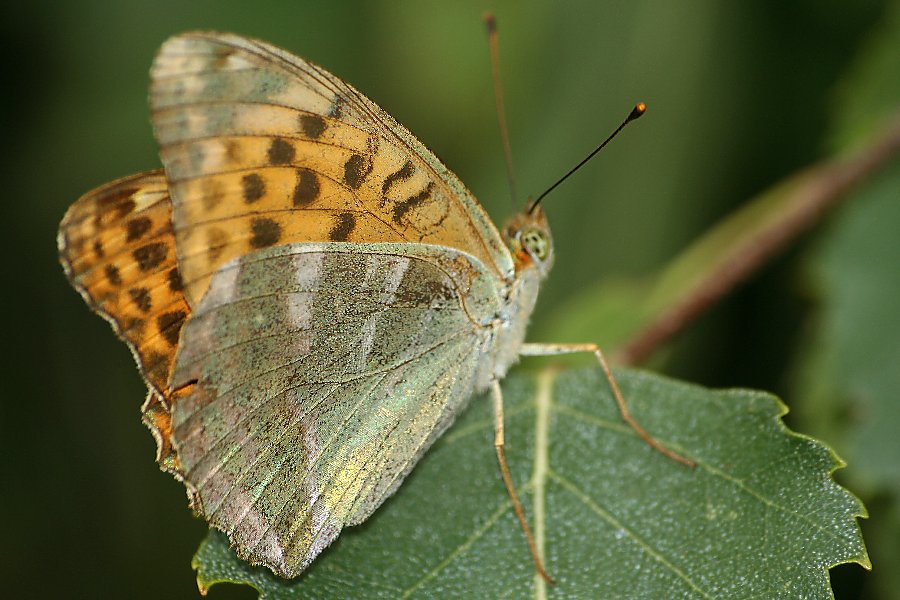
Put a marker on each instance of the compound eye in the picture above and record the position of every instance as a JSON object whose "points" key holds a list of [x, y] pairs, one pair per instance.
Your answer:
{"points": [[536, 243]]}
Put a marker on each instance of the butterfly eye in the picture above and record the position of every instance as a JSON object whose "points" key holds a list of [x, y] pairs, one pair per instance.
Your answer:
{"points": [[536, 243]]}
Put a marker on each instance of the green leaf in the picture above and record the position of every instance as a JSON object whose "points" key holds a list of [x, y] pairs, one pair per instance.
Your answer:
{"points": [[760, 516], [869, 95], [852, 374], [848, 376]]}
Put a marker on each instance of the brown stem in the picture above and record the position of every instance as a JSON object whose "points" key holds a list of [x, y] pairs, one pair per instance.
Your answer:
{"points": [[808, 196]]}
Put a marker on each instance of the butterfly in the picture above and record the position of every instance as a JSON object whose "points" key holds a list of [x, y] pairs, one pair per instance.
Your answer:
{"points": [[310, 295]]}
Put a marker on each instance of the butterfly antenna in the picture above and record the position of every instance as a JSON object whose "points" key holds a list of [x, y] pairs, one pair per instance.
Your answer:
{"points": [[639, 109], [491, 24]]}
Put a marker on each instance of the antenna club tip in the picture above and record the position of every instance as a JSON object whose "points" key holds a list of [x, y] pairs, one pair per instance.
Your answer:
{"points": [[490, 22], [639, 109]]}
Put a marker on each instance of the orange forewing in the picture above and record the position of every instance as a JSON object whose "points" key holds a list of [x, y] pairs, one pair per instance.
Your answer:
{"points": [[264, 148]]}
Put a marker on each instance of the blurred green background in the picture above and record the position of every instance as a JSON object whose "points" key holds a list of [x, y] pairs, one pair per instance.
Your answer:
{"points": [[739, 96]]}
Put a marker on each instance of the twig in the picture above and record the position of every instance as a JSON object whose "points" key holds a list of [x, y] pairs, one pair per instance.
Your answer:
{"points": [[804, 199]]}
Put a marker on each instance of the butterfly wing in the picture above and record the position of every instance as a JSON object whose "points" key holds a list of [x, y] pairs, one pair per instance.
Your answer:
{"points": [[318, 375], [264, 148], [313, 375], [118, 250]]}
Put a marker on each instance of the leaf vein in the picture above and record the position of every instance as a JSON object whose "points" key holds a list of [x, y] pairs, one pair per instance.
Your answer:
{"points": [[603, 514], [460, 550]]}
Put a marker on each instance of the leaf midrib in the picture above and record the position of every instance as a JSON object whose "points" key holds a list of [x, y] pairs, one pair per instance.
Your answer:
{"points": [[543, 406]]}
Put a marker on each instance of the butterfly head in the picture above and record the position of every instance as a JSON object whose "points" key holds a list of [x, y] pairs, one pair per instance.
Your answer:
{"points": [[528, 238]]}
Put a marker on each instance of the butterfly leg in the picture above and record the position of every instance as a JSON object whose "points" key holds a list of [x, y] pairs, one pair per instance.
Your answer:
{"points": [[497, 395], [557, 349]]}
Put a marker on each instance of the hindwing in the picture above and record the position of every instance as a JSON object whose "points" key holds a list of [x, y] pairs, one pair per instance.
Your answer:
{"points": [[118, 250], [318, 375]]}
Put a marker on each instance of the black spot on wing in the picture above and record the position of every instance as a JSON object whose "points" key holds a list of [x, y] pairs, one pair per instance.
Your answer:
{"points": [[356, 169], [404, 206], [169, 325], [121, 201], [126, 207], [405, 172], [254, 187], [112, 274], [175, 282], [141, 298], [342, 228], [137, 227], [108, 200], [281, 152], [307, 188], [266, 232], [312, 125], [150, 256]]}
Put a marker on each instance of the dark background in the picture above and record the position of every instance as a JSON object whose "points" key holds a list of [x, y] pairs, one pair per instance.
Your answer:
{"points": [[739, 96]]}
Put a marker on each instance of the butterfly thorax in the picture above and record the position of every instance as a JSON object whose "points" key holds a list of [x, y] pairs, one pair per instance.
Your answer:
{"points": [[527, 236]]}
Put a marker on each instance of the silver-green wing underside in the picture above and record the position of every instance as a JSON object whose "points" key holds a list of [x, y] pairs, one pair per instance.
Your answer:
{"points": [[323, 372]]}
